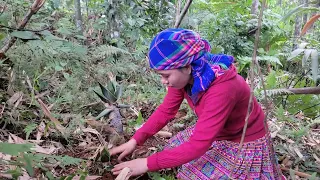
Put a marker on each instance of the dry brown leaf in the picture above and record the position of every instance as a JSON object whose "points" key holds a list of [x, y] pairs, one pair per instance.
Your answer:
{"points": [[15, 139], [42, 150], [5, 157], [15, 98], [298, 153], [124, 174], [8, 176], [46, 111], [165, 134], [41, 130]]}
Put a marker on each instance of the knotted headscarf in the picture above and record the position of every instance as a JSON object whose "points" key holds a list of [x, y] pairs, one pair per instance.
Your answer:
{"points": [[177, 48]]}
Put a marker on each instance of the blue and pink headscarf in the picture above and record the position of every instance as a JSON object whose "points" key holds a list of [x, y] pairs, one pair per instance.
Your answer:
{"points": [[177, 48]]}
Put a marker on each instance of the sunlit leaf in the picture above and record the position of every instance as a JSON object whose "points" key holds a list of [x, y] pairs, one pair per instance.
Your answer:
{"points": [[295, 53]]}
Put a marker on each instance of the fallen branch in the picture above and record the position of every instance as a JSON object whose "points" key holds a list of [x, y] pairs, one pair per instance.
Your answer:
{"points": [[183, 13], [37, 4], [307, 90], [298, 173]]}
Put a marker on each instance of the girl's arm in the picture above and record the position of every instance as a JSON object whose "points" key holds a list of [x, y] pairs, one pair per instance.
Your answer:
{"points": [[163, 114], [219, 102]]}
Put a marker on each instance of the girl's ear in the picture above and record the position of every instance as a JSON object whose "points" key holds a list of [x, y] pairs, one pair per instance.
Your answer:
{"points": [[188, 69]]}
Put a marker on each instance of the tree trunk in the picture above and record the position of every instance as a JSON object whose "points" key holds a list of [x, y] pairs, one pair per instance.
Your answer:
{"points": [[78, 17], [255, 7], [305, 16], [297, 26], [279, 2]]}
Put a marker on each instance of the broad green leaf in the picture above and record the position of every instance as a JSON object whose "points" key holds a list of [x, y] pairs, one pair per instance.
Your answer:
{"points": [[119, 91], [50, 175], [314, 64], [28, 165], [102, 97], [104, 113], [295, 53], [14, 149], [108, 94], [25, 35]]}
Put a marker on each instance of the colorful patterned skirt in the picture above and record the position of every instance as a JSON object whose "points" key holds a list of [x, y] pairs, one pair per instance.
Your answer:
{"points": [[254, 161]]}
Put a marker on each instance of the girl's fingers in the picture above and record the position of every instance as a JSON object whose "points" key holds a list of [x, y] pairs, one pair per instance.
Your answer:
{"points": [[116, 150], [122, 155], [118, 167]]}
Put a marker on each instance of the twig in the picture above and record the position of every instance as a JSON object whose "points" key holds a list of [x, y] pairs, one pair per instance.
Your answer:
{"points": [[183, 13], [2, 109], [307, 90], [37, 4]]}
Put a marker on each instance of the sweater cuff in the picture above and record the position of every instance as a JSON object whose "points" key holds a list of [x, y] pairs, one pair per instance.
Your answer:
{"points": [[139, 138], [152, 162]]}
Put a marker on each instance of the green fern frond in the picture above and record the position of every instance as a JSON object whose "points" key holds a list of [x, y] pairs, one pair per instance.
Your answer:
{"points": [[106, 51]]}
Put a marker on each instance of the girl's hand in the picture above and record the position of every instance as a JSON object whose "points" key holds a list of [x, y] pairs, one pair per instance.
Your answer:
{"points": [[125, 149], [137, 167]]}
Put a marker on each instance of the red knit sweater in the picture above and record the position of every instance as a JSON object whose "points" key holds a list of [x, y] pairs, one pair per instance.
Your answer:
{"points": [[221, 113]]}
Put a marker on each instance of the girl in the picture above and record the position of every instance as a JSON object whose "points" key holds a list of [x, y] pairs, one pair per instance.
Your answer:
{"points": [[219, 98]]}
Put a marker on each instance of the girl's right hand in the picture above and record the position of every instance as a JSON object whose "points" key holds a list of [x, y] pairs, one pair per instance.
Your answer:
{"points": [[125, 149]]}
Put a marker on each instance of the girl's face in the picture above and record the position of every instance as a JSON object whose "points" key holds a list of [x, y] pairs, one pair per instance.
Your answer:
{"points": [[176, 78]]}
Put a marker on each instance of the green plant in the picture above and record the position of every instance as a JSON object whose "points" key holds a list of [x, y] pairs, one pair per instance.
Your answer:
{"points": [[110, 95], [24, 157]]}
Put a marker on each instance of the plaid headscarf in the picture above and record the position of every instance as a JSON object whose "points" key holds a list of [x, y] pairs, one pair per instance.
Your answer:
{"points": [[177, 48]]}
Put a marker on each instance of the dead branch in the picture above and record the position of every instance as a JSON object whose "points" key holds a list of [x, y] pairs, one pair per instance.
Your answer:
{"points": [[307, 90], [183, 13], [37, 4], [251, 74]]}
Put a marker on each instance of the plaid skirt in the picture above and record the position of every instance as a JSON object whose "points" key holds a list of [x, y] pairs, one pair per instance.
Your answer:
{"points": [[254, 161]]}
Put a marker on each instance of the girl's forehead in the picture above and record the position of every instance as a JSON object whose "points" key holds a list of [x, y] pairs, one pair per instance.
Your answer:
{"points": [[164, 71]]}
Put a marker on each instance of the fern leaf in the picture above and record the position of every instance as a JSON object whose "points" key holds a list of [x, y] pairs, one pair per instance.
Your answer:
{"points": [[105, 51]]}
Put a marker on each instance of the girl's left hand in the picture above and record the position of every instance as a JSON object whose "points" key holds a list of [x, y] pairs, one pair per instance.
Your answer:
{"points": [[137, 167]]}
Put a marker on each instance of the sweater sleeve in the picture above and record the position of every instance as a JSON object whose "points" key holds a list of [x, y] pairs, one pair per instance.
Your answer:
{"points": [[163, 114], [218, 105]]}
